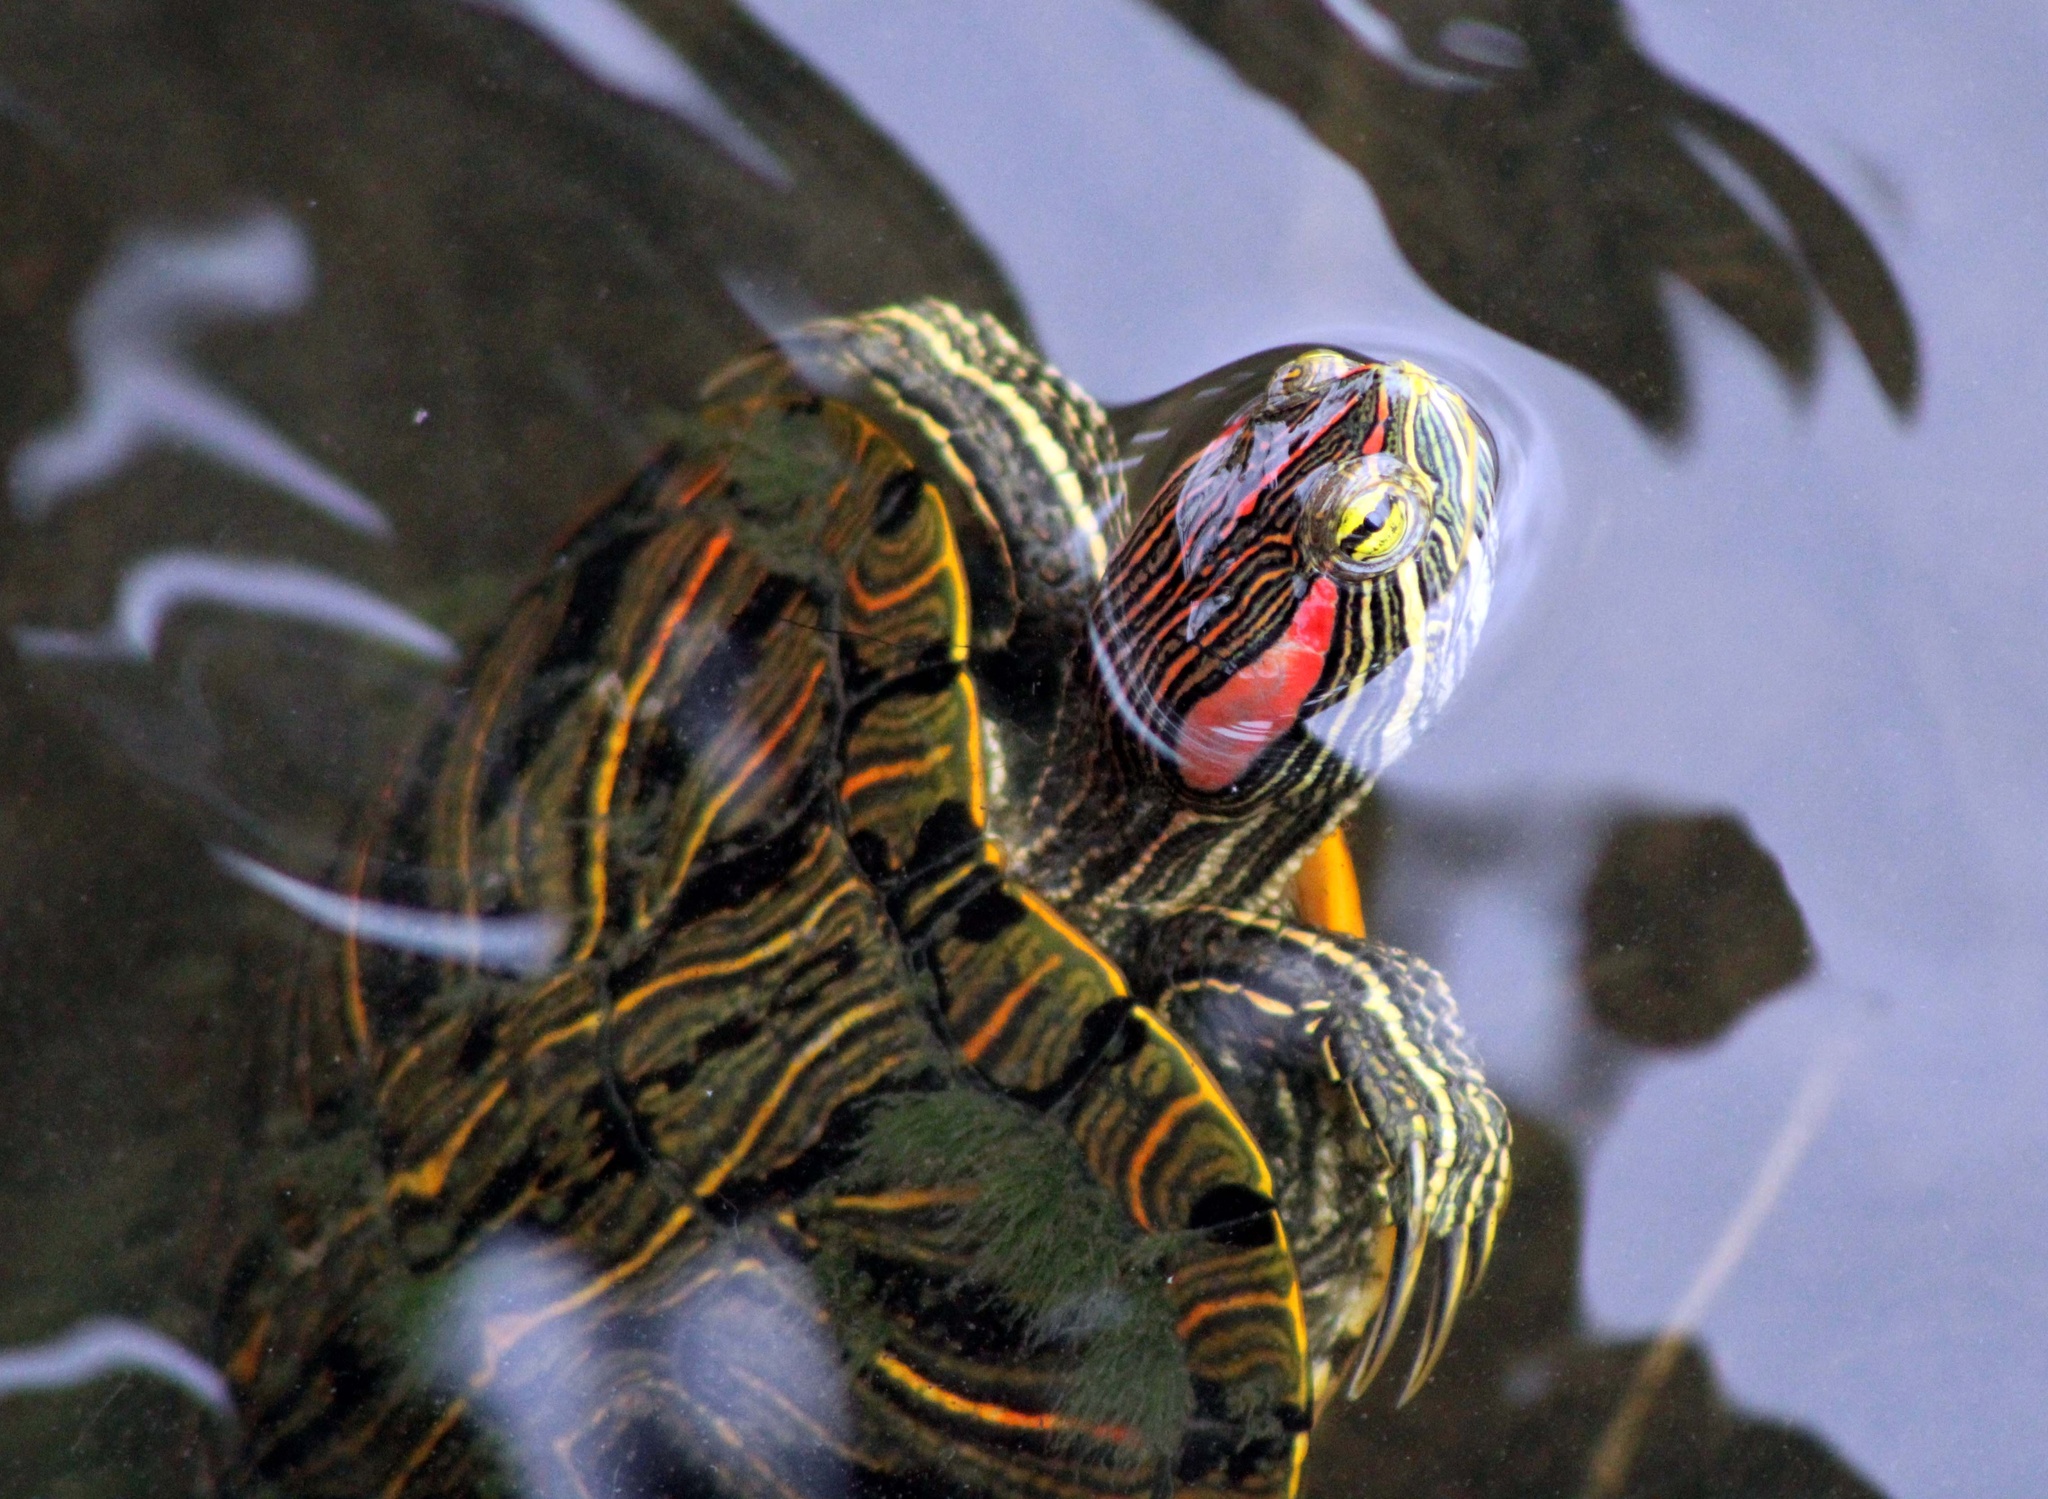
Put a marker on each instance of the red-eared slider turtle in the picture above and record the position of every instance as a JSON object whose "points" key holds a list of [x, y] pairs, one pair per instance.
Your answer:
{"points": [[876, 1128]]}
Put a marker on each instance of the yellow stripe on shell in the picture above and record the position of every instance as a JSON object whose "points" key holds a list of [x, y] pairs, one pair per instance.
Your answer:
{"points": [[416, 1459], [605, 780], [765, 1113], [431, 1175]]}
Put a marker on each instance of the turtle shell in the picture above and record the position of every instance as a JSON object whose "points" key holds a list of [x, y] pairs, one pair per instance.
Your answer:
{"points": [[819, 1155]]}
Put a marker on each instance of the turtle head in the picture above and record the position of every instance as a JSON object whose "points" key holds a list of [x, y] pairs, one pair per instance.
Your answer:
{"points": [[1300, 594]]}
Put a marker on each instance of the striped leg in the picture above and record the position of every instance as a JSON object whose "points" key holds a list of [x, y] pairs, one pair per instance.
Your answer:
{"points": [[1346, 1058], [1025, 459], [1026, 463]]}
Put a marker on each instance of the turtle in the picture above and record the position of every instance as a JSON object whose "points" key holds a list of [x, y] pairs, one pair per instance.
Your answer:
{"points": [[930, 1083]]}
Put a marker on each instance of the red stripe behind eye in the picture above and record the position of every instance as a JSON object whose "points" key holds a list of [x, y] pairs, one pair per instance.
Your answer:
{"points": [[1376, 439], [1231, 727]]}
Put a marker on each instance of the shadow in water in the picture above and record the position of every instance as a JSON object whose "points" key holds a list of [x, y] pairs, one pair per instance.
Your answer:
{"points": [[1545, 176], [1683, 925]]}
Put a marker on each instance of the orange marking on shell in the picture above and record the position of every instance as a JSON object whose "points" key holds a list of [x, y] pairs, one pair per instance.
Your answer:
{"points": [[893, 770], [247, 1360], [881, 603], [888, 1364], [453, 1413], [995, 1025], [1223, 1305], [1162, 1130]]}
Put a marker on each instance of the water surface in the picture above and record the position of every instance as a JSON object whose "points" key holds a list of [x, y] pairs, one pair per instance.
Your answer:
{"points": [[425, 280]]}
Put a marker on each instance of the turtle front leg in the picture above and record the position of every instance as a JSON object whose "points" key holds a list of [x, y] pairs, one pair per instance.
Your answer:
{"points": [[1346, 1060]]}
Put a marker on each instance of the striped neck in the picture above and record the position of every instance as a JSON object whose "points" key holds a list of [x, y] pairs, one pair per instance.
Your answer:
{"points": [[1113, 833]]}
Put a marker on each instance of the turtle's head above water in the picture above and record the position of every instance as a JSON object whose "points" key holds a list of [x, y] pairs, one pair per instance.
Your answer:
{"points": [[1301, 592]]}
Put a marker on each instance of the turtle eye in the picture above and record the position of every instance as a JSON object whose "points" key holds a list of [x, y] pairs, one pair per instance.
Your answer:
{"points": [[1305, 372], [1365, 516]]}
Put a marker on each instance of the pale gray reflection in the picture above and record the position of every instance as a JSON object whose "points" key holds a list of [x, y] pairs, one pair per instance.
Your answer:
{"points": [[614, 46], [775, 309], [101, 1346], [1381, 37], [139, 391], [729, 1363], [1483, 42], [544, 1382], [521, 945], [159, 584], [753, 1352], [1735, 180]]}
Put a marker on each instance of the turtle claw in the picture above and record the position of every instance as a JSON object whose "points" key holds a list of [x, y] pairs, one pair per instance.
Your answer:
{"points": [[1465, 1250], [1414, 1088], [1444, 1294], [1488, 1227], [1410, 1237]]}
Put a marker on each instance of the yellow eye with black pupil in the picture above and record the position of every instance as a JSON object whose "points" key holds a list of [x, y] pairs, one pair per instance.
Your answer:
{"points": [[1373, 524], [1306, 372], [1365, 516]]}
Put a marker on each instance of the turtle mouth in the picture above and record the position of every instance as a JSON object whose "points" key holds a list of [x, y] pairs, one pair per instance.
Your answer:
{"points": [[1223, 734], [1214, 741]]}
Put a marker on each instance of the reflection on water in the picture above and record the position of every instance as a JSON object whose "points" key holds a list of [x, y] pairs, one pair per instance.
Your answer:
{"points": [[102, 1346], [614, 46], [159, 584], [535, 228], [136, 388], [525, 944], [741, 1357]]}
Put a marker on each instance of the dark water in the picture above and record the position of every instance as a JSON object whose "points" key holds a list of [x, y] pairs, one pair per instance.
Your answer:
{"points": [[1730, 843]]}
